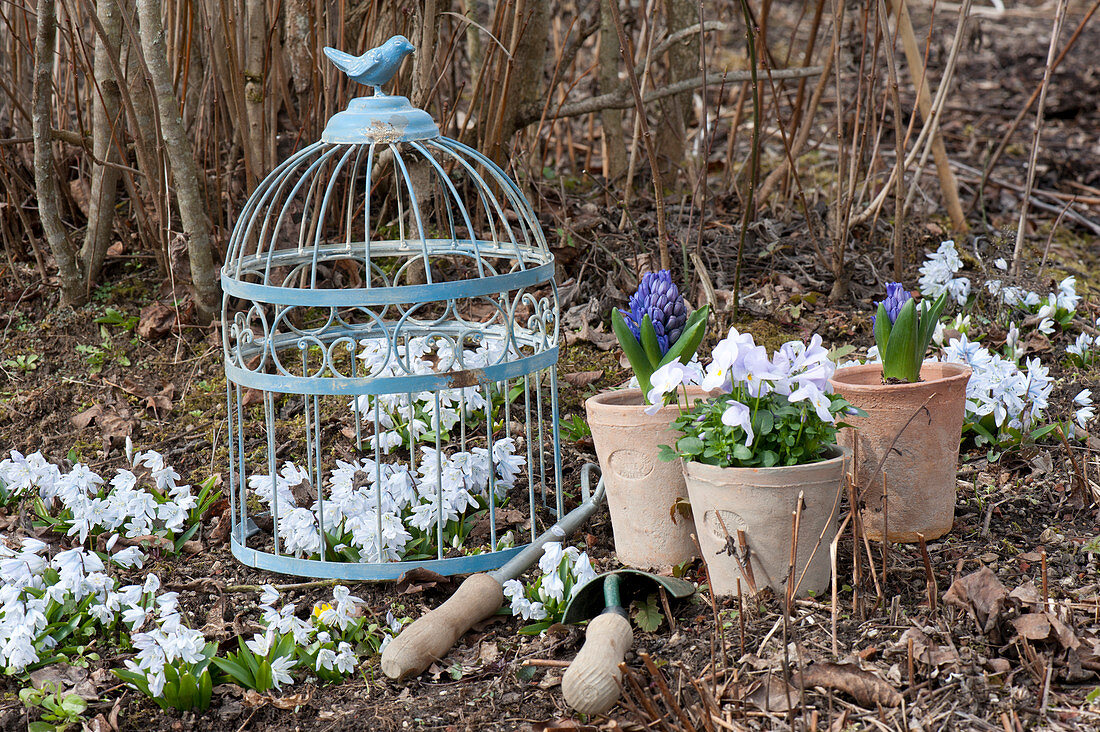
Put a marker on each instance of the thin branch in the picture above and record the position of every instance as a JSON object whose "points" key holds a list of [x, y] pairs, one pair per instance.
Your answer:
{"points": [[1059, 17]]}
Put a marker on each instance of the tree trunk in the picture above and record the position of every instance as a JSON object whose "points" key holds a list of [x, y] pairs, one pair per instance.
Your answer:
{"points": [[298, 30], [611, 119], [106, 134], [69, 270], [196, 224], [523, 80], [254, 77], [683, 63]]}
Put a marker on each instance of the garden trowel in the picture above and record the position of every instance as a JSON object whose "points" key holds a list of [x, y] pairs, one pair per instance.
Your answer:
{"points": [[430, 637], [591, 684]]}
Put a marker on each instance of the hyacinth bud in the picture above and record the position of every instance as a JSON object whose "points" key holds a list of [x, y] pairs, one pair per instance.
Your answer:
{"points": [[659, 298], [896, 297]]}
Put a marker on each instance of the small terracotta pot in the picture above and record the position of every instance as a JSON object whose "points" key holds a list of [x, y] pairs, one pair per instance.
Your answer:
{"points": [[641, 490], [761, 502], [917, 454]]}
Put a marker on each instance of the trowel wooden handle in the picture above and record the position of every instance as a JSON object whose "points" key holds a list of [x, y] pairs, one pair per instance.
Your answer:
{"points": [[430, 637], [591, 683]]}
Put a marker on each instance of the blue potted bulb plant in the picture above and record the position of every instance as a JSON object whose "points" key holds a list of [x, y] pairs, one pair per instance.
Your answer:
{"points": [[906, 449], [644, 495]]}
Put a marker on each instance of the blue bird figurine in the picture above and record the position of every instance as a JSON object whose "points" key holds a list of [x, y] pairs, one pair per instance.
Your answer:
{"points": [[375, 67]]}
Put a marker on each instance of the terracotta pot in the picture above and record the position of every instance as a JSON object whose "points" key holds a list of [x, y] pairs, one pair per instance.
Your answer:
{"points": [[918, 460], [641, 490], [761, 503]]}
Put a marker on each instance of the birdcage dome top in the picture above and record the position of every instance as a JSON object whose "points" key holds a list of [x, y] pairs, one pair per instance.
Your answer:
{"points": [[383, 209]]}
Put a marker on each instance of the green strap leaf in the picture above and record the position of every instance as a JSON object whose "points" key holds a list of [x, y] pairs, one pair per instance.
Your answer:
{"points": [[632, 350], [930, 317], [687, 344], [649, 341], [882, 330], [898, 361]]}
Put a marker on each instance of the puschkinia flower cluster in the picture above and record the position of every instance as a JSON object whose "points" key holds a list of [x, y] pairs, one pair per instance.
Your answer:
{"points": [[405, 418], [375, 507], [1085, 349], [565, 569], [1000, 396], [39, 591], [939, 274], [151, 500]]}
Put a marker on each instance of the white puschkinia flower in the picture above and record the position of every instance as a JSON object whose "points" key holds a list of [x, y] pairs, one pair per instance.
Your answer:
{"points": [[358, 492], [1086, 411], [1015, 398], [938, 274]]}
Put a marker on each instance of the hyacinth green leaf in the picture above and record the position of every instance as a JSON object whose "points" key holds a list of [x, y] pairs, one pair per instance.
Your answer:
{"points": [[930, 317], [632, 350], [901, 349], [688, 342], [882, 329], [649, 341]]}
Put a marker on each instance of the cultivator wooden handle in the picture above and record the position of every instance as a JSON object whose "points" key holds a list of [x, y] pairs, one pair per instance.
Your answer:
{"points": [[591, 684], [430, 636]]}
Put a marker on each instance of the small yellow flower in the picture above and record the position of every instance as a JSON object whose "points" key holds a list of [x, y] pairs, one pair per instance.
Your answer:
{"points": [[320, 608]]}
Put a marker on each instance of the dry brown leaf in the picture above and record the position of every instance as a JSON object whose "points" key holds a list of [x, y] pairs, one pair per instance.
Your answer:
{"points": [[98, 724], [563, 725], [601, 339], [581, 379], [155, 320], [1064, 634], [1027, 593], [488, 652], [86, 417], [220, 533], [161, 402], [115, 424], [1033, 626], [293, 701], [772, 694], [867, 689], [925, 650], [982, 594], [549, 681], [420, 579]]}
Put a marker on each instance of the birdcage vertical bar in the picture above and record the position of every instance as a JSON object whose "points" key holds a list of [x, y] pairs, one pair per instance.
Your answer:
{"points": [[269, 418], [554, 432], [492, 463], [243, 479], [530, 457], [438, 482], [232, 456]]}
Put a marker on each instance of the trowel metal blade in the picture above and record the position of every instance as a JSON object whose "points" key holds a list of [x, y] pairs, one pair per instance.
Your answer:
{"points": [[634, 584]]}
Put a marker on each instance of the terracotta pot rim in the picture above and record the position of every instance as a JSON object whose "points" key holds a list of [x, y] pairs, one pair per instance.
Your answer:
{"points": [[954, 372], [840, 454], [632, 398]]}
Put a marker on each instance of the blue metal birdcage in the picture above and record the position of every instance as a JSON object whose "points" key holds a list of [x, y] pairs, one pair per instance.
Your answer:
{"points": [[390, 340]]}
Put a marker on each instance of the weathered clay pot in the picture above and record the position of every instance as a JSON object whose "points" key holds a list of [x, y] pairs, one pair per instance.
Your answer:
{"points": [[641, 490], [917, 454], [761, 502]]}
